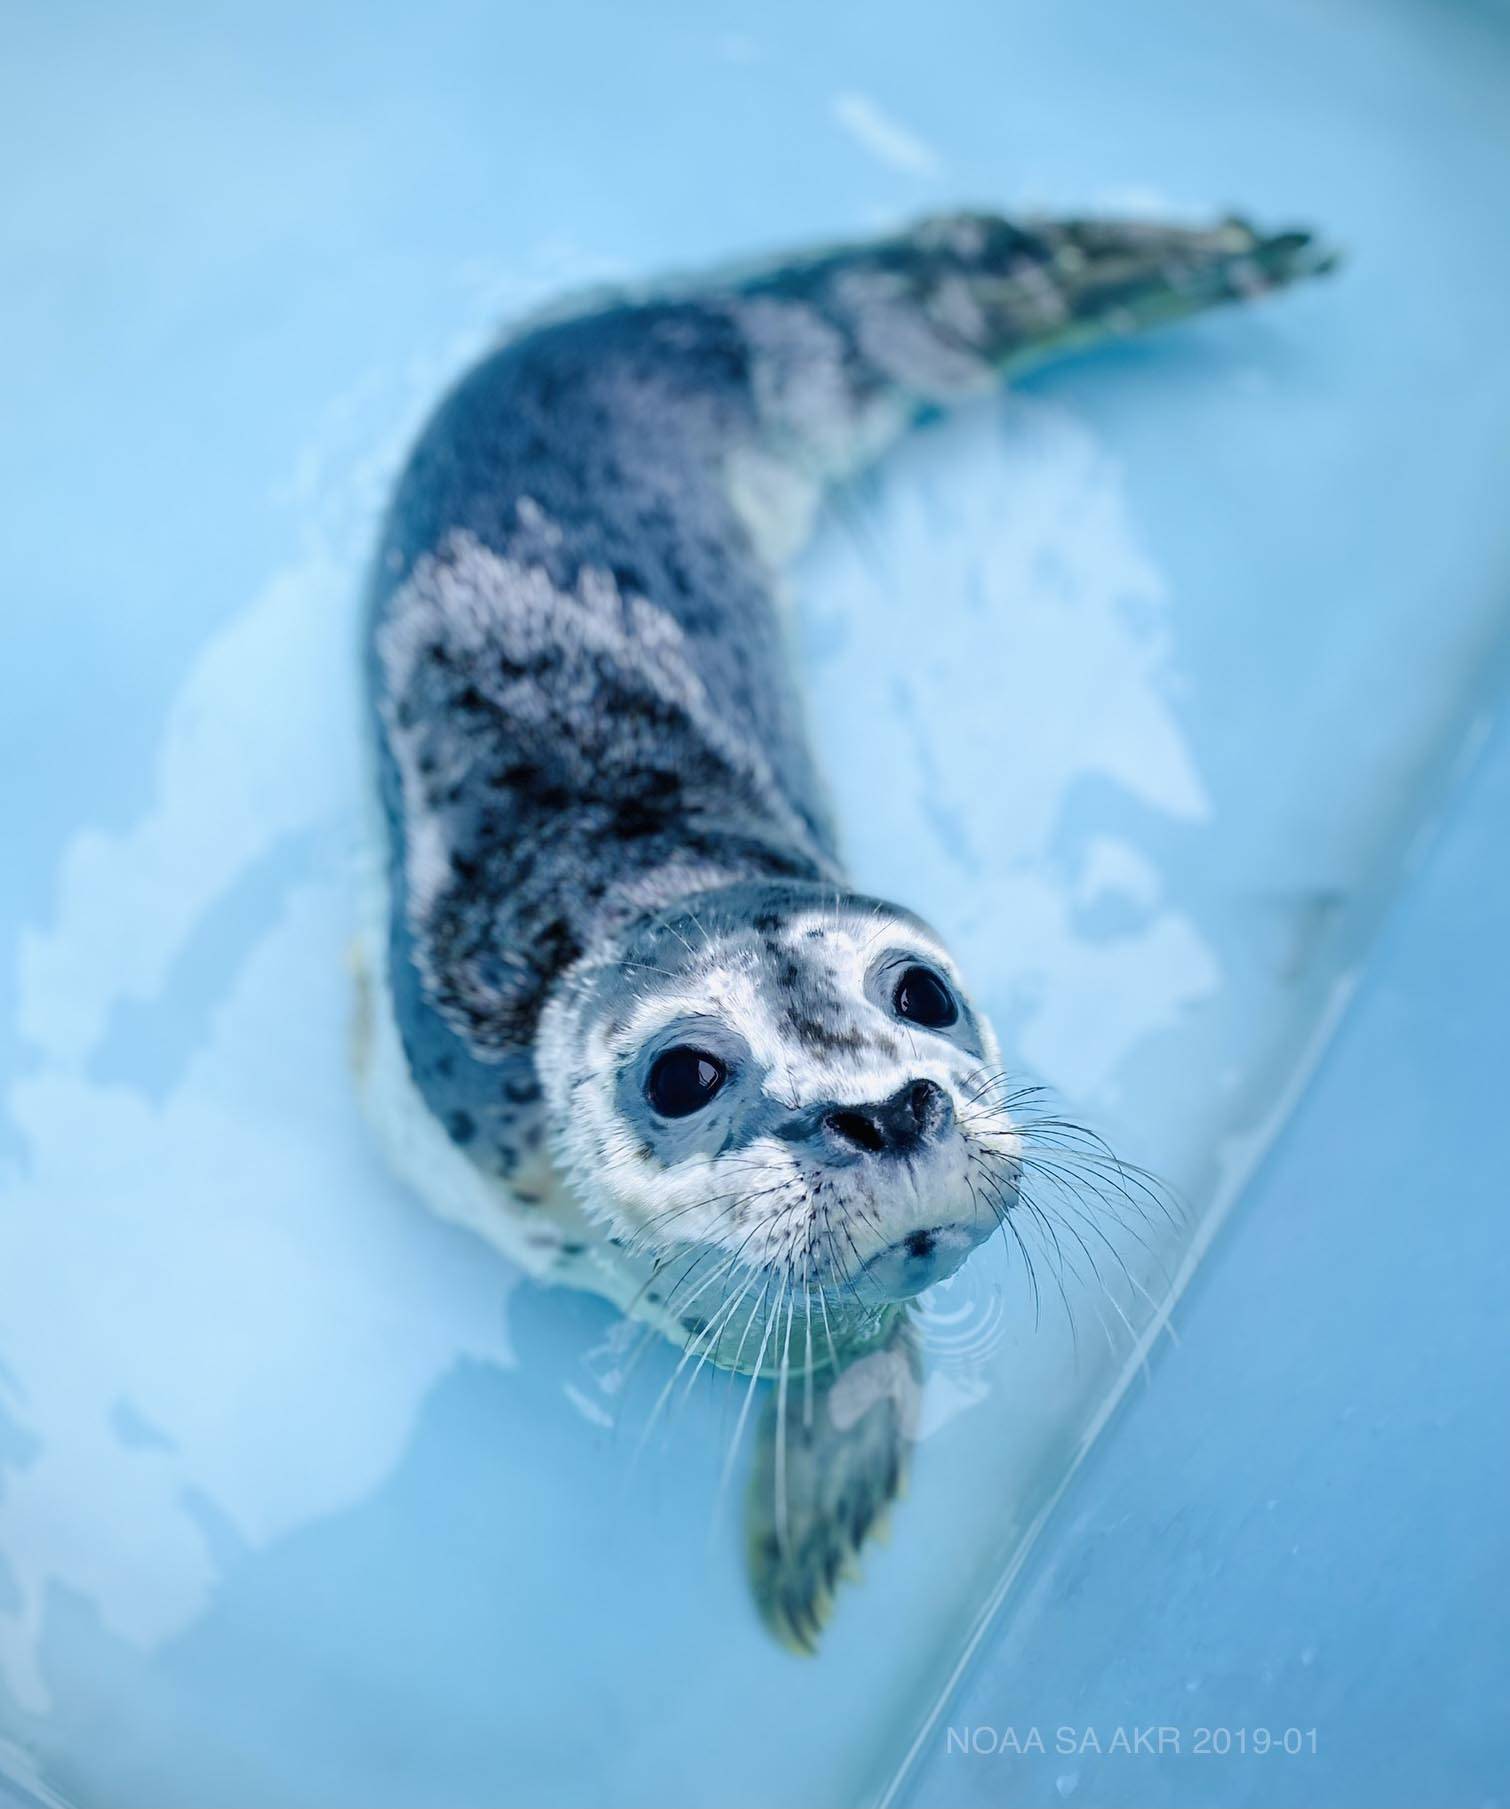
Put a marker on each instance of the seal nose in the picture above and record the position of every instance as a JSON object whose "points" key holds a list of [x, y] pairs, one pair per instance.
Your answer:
{"points": [[895, 1126]]}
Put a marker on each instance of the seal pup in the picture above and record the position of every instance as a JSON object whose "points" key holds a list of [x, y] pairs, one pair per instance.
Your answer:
{"points": [[624, 1015]]}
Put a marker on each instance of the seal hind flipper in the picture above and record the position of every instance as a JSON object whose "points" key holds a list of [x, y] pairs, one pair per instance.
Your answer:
{"points": [[843, 1465], [1108, 278]]}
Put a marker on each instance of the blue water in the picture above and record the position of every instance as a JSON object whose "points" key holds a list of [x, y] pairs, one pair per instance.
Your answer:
{"points": [[305, 1497], [1298, 1530]]}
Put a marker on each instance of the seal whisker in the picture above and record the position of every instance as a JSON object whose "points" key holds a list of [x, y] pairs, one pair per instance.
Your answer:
{"points": [[1004, 1219], [999, 1198], [744, 1412], [1088, 1147], [659, 1224], [781, 1453], [723, 1319], [1070, 1203], [1100, 1280], [1071, 1184], [687, 1354], [807, 1300]]}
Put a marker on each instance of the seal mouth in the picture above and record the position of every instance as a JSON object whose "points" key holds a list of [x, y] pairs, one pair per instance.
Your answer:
{"points": [[912, 1263]]}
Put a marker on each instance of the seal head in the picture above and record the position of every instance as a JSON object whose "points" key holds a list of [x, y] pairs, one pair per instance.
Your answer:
{"points": [[790, 1076]]}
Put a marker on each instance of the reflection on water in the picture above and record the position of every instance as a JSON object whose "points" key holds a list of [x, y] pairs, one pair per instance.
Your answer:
{"points": [[251, 1318]]}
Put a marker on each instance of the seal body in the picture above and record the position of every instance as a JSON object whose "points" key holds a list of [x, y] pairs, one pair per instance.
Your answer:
{"points": [[624, 1007]]}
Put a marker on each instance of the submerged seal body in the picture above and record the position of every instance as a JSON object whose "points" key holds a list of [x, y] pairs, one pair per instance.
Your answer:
{"points": [[626, 1016]]}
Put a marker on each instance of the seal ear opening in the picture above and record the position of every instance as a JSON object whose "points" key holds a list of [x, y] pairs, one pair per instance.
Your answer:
{"points": [[824, 1481]]}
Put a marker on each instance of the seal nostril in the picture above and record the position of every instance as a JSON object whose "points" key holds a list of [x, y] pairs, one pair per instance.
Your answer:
{"points": [[922, 1096], [915, 1114], [857, 1128], [921, 1243]]}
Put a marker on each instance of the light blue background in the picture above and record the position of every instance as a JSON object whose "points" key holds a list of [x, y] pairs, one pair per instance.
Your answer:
{"points": [[1300, 1522], [292, 1482]]}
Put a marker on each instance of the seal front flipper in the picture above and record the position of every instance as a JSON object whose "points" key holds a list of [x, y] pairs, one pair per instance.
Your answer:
{"points": [[825, 1478]]}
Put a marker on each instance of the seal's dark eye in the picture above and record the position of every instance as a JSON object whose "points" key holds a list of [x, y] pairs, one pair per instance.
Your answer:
{"points": [[683, 1080], [922, 998]]}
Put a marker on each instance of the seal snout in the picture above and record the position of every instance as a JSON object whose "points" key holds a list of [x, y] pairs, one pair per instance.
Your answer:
{"points": [[915, 1114]]}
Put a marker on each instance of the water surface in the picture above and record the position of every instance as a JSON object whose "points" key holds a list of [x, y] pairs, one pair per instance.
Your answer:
{"points": [[1139, 683]]}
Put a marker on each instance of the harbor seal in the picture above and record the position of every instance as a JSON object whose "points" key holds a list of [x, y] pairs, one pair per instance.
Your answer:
{"points": [[625, 1015]]}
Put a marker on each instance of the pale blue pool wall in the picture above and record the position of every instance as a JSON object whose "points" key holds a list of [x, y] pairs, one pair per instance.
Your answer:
{"points": [[223, 220]]}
